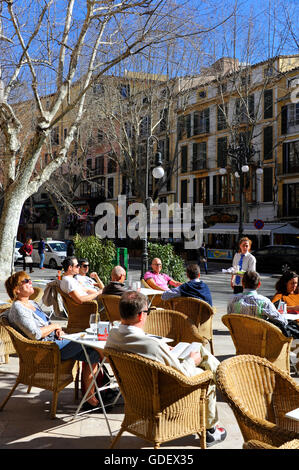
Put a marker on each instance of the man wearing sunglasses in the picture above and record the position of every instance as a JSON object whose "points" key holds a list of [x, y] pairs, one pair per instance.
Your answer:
{"points": [[130, 337], [158, 280], [92, 281], [71, 286]]}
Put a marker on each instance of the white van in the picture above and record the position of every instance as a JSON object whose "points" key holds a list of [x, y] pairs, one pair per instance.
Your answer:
{"points": [[55, 252]]}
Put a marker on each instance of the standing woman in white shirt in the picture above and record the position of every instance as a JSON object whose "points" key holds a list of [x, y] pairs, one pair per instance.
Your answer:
{"points": [[243, 260]]}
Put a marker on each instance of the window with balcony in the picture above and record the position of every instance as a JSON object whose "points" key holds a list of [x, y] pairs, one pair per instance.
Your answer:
{"points": [[291, 157], [221, 117], [99, 165], [163, 120], [201, 190], [145, 126], [291, 200], [201, 121], [268, 184], [268, 104], [184, 159], [222, 152], [124, 91], [111, 166], [110, 188], [268, 142], [244, 109], [184, 191], [199, 158], [55, 136]]}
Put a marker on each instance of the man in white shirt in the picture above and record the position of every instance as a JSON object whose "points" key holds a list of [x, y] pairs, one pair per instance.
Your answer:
{"points": [[130, 337], [244, 261], [71, 286], [92, 281]]}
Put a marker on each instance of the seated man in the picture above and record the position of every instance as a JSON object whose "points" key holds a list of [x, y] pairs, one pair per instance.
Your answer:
{"points": [[249, 302], [193, 288], [71, 286], [90, 282], [157, 280], [116, 286], [130, 337]]}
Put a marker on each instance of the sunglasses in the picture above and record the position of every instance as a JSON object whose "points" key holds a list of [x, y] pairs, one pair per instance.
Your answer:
{"points": [[148, 311], [84, 265], [75, 265], [26, 281]]}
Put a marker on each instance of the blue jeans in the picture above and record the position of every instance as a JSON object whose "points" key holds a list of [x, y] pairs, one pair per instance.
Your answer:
{"points": [[42, 259]]}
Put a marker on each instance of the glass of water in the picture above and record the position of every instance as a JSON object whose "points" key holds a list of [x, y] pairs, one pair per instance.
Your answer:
{"points": [[93, 322]]}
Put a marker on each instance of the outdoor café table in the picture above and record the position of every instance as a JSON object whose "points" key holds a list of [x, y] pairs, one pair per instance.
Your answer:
{"points": [[151, 293], [86, 339]]}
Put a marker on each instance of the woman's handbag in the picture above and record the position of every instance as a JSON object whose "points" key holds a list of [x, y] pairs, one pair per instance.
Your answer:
{"points": [[28, 259]]}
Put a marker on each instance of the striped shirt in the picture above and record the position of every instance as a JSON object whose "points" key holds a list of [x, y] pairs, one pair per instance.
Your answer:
{"points": [[251, 303]]}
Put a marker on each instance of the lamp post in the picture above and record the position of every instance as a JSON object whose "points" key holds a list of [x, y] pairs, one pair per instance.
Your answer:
{"points": [[158, 172], [241, 157]]}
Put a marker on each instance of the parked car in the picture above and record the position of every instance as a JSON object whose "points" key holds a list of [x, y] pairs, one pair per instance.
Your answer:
{"points": [[55, 252], [277, 258], [17, 255]]}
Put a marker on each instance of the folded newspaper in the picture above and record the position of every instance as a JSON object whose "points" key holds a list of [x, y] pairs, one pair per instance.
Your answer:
{"points": [[183, 350]]}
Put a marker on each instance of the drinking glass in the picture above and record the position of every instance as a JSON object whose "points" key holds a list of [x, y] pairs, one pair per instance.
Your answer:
{"points": [[92, 323]]}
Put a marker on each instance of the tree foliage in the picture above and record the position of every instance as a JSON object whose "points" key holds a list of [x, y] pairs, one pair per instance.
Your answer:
{"points": [[101, 255]]}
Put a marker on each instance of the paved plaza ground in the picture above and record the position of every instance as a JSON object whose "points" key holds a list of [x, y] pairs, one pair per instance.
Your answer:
{"points": [[25, 422]]}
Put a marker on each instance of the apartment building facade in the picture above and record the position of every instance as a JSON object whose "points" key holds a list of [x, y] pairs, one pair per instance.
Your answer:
{"points": [[249, 104]]}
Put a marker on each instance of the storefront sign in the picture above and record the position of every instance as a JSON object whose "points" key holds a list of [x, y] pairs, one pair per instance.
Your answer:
{"points": [[214, 253]]}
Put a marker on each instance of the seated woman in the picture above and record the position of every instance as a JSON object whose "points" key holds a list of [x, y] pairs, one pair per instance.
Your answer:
{"points": [[26, 317], [287, 291]]}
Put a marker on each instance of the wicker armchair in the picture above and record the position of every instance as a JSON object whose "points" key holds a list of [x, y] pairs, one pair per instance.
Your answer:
{"points": [[259, 394], [38, 293], [254, 444], [174, 325], [6, 346], [111, 306], [40, 366], [199, 311], [255, 336], [161, 404], [78, 314]]}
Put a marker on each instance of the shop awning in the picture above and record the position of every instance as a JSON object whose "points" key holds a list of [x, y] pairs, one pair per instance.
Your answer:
{"points": [[249, 229]]}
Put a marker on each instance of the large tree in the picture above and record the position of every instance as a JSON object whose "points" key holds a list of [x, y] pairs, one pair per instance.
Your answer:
{"points": [[52, 52]]}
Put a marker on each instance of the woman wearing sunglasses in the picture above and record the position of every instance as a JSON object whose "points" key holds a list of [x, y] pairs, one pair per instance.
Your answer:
{"points": [[26, 316]]}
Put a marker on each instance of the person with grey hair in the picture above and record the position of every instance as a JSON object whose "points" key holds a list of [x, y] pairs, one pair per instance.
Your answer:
{"points": [[130, 337], [117, 284]]}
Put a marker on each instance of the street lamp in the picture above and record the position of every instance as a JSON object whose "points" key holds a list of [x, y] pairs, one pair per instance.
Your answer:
{"points": [[158, 172], [241, 157]]}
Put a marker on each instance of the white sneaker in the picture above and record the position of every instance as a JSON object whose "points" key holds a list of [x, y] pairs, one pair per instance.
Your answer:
{"points": [[216, 436]]}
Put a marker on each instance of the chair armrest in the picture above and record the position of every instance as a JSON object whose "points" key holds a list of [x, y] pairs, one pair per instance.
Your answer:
{"points": [[199, 379]]}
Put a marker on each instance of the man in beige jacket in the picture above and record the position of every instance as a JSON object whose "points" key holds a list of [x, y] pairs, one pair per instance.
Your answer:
{"points": [[130, 337]]}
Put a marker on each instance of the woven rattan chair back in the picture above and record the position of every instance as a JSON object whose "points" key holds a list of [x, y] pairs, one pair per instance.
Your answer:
{"points": [[78, 314], [111, 306], [40, 365], [6, 345], [38, 293], [259, 394], [145, 284], [199, 311], [255, 336], [174, 325], [161, 404]]}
